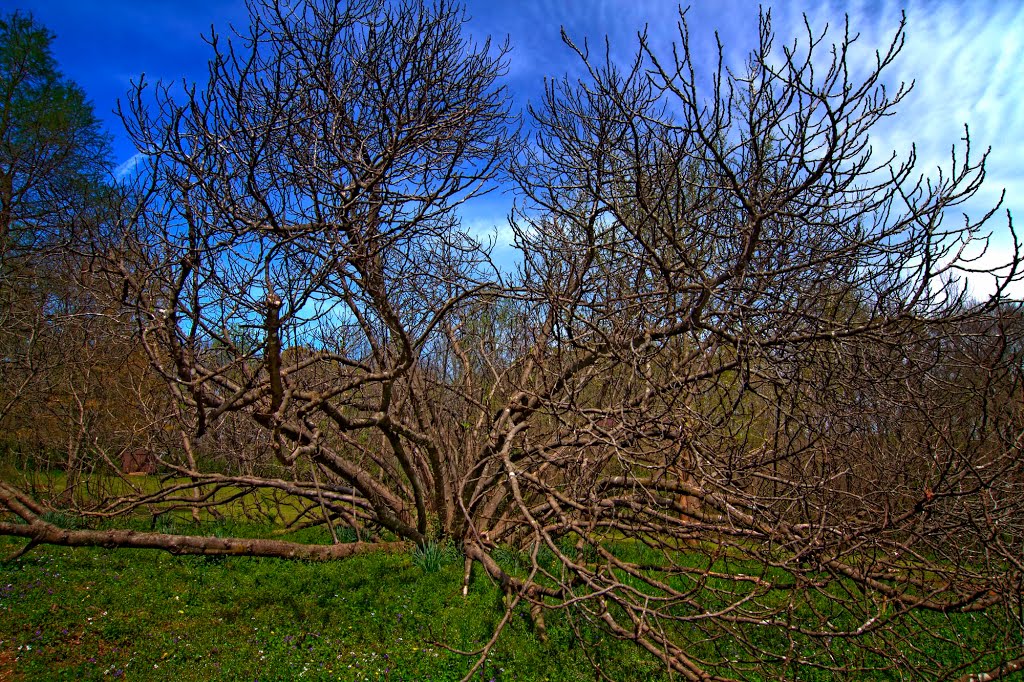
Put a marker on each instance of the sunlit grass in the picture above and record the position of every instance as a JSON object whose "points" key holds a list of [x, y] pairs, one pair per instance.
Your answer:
{"points": [[90, 614], [101, 614]]}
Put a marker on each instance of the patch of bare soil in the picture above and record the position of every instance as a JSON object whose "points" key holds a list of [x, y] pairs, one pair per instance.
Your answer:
{"points": [[6, 666]]}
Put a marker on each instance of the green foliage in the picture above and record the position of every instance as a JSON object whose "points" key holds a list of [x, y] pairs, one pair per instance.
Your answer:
{"points": [[347, 534], [54, 193], [64, 520], [53, 155], [510, 559], [433, 556]]}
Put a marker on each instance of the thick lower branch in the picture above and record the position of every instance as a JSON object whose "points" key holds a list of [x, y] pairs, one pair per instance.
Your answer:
{"points": [[40, 532]]}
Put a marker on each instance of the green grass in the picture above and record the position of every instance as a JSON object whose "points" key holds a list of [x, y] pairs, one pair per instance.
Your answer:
{"points": [[434, 556], [85, 614], [91, 614]]}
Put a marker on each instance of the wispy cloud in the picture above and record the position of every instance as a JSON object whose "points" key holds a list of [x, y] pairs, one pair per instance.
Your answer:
{"points": [[962, 56], [128, 167]]}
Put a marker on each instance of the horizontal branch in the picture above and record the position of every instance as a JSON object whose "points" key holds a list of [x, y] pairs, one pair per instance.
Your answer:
{"points": [[42, 533]]}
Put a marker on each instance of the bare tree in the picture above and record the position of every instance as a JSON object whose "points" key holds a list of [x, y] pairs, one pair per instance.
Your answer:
{"points": [[298, 256], [758, 363], [735, 405]]}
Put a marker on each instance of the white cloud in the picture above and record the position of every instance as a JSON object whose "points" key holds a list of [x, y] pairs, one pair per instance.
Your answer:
{"points": [[962, 56], [128, 167]]}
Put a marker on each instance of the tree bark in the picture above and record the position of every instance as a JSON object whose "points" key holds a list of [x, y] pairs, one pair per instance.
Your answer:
{"points": [[41, 532]]}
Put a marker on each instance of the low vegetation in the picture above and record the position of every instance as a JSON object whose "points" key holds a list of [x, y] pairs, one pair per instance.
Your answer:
{"points": [[94, 613], [89, 614]]}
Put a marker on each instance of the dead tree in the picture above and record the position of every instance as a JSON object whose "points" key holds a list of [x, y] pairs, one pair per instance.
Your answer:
{"points": [[754, 357], [734, 406]]}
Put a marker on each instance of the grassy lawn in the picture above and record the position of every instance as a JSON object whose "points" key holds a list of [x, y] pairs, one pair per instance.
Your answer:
{"points": [[99, 614], [91, 614]]}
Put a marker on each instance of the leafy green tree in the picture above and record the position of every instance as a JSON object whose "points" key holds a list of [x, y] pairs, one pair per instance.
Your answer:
{"points": [[53, 153]]}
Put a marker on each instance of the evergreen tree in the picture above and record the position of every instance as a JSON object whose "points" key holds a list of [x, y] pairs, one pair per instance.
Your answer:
{"points": [[53, 154]]}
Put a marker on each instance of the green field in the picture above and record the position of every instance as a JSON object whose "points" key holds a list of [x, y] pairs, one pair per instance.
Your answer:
{"points": [[91, 614], [95, 613]]}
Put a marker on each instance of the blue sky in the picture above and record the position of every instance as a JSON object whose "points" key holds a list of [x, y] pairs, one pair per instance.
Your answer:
{"points": [[963, 54]]}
